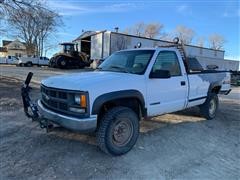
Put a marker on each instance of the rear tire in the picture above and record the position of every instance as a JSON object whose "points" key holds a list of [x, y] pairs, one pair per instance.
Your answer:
{"points": [[210, 107], [29, 64], [118, 131]]}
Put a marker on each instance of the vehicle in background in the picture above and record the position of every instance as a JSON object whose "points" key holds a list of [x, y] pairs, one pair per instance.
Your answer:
{"points": [[69, 57], [30, 61], [3, 60], [9, 60]]}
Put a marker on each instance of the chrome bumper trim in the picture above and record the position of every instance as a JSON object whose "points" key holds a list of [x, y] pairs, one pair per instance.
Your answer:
{"points": [[69, 122]]}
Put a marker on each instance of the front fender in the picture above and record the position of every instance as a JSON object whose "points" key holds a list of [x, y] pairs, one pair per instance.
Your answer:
{"points": [[102, 99]]}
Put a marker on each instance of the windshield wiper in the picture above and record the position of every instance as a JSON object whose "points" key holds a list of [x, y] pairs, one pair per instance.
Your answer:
{"points": [[123, 69]]}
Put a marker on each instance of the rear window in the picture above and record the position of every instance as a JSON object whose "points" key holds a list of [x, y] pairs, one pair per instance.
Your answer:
{"points": [[194, 65]]}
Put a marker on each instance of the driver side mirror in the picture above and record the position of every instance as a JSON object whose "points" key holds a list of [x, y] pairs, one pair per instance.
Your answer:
{"points": [[161, 74]]}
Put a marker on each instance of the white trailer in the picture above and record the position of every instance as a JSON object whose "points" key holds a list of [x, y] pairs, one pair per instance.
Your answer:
{"points": [[99, 45]]}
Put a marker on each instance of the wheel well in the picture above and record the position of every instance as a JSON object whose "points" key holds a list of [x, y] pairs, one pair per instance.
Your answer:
{"points": [[132, 103], [216, 89]]}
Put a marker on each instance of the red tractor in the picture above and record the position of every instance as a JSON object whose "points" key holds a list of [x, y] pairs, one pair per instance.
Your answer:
{"points": [[70, 57]]}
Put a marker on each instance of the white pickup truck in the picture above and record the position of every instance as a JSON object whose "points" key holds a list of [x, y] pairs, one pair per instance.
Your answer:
{"points": [[30, 61], [129, 86], [9, 60]]}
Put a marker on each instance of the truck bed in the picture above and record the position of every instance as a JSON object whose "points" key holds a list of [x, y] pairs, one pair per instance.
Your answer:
{"points": [[201, 82]]}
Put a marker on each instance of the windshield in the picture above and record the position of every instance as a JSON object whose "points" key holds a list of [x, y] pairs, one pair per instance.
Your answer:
{"points": [[128, 61], [68, 48]]}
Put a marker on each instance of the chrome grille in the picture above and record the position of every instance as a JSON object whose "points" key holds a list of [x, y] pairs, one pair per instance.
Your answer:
{"points": [[55, 99], [54, 93], [60, 100]]}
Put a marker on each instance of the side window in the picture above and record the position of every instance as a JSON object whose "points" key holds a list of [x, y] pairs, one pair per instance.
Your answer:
{"points": [[167, 60]]}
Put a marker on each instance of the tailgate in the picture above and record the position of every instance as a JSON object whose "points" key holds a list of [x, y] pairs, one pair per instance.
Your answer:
{"points": [[226, 84]]}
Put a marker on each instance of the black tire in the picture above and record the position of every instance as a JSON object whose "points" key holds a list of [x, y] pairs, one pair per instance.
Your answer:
{"points": [[81, 66], [21, 65], [29, 64], [62, 63], [210, 107], [111, 131]]}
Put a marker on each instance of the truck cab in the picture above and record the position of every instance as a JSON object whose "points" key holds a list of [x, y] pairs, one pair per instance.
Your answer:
{"points": [[12, 60]]}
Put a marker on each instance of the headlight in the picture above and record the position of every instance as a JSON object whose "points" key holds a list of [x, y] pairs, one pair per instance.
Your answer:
{"points": [[77, 99], [81, 100]]}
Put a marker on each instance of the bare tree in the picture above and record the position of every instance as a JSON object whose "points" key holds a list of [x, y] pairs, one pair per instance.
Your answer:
{"points": [[127, 31], [47, 23], [138, 29], [185, 34], [216, 41], [152, 30], [33, 25], [200, 41], [166, 36], [7, 6], [23, 21], [145, 30]]}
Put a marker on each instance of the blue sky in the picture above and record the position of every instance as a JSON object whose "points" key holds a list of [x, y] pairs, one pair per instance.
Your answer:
{"points": [[205, 17]]}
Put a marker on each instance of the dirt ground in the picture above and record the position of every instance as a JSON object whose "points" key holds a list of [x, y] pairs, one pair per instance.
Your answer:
{"points": [[174, 146]]}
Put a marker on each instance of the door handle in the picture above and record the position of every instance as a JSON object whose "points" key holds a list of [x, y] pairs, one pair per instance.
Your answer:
{"points": [[183, 83]]}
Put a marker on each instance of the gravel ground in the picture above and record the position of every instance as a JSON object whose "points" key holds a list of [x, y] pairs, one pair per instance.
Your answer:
{"points": [[39, 72], [173, 146]]}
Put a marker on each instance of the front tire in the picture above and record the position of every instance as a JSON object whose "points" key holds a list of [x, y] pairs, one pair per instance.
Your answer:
{"points": [[118, 131], [210, 107]]}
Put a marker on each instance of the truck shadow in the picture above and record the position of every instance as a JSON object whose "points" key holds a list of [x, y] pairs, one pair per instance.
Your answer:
{"points": [[146, 126]]}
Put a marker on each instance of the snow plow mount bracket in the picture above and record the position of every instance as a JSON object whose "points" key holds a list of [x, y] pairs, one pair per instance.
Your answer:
{"points": [[30, 108]]}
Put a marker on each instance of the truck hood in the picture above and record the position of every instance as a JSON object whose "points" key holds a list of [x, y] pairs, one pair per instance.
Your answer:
{"points": [[89, 80]]}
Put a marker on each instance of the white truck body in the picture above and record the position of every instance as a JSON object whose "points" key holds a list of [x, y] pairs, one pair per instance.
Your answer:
{"points": [[161, 95], [9, 60], [128, 86], [3, 60], [29, 61]]}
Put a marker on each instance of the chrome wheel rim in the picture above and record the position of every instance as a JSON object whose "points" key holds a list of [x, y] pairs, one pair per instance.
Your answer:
{"points": [[122, 132], [212, 107]]}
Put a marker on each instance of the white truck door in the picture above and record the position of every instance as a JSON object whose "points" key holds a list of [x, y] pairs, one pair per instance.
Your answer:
{"points": [[169, 94], [9, 59], [40, 61], [45, 61], [35, 60], [14, 60]]}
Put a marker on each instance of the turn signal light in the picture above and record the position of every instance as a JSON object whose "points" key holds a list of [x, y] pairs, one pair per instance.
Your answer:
{"points": [[83, 101]]}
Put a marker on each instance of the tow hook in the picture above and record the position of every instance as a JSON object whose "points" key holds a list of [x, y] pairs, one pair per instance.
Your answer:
{"points": [[29, 105], [44, 124]]}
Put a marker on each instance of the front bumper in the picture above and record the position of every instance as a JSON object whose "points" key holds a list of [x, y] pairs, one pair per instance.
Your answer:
{"points": [[69, 122]]}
